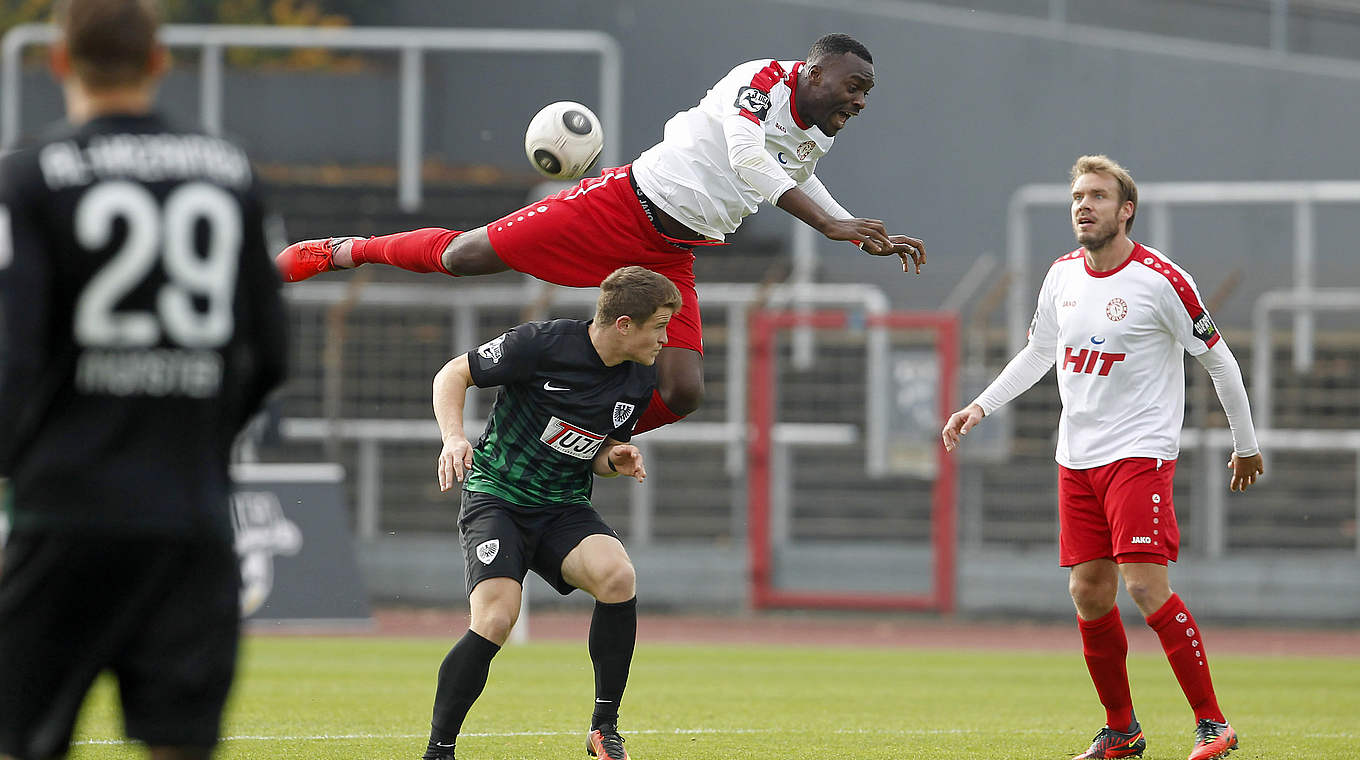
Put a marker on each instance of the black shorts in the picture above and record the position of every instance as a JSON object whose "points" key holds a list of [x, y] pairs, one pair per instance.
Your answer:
{"points": [[162, 615], [504, 540]]}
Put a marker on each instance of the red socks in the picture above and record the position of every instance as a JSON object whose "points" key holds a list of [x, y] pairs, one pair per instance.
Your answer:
{"points": [[656, 415], [1106, 649], [415, 251], [1184, 648]]}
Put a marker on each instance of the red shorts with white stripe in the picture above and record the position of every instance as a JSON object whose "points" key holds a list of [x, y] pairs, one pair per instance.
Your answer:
{"points": [[580, 235], [1121, 511]]}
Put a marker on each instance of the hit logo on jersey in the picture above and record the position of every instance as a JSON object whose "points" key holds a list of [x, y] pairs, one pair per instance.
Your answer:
{"points": [[1086, 361]]}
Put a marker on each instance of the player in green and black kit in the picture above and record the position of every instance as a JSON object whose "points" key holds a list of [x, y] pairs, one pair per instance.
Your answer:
{"points": [[571, 392]]}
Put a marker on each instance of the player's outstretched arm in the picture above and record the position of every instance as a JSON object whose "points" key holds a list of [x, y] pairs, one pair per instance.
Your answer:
{"points": [[871, 234], [617, 459], [959, 424], [450, 396]]}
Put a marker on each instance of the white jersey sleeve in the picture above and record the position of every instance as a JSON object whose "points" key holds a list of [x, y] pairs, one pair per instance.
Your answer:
{"points": [[708, 172], [749, 159], [1232, 394]]}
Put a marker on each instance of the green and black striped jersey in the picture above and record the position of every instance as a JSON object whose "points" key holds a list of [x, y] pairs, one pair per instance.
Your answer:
{"points": [[557, 404]]}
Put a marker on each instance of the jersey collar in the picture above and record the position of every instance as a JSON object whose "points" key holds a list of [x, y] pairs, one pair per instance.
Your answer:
{"points": [[792, 82], [1137, 247]]}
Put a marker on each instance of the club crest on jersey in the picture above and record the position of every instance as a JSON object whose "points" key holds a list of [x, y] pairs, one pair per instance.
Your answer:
{"points": [[492, 349], [754, 102], [572, 440], [1204, 326], [622, 411], [805, 149], [487, 550], [1116, 309]]}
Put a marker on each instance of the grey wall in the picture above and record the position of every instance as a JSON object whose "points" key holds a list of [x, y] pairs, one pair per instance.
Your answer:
{"points": [[968, 107]]}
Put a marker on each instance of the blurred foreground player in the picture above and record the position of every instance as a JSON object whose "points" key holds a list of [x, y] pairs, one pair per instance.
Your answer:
{"points": [[756, 136], [1116, 317], [571, 394], [142, 324]]}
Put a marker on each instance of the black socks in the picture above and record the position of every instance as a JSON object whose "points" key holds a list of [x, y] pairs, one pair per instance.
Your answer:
{"points": [[613, 630], [462, 677]]}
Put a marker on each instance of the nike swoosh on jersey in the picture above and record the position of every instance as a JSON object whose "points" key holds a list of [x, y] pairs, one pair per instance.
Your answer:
{"points": [[548, 386]]}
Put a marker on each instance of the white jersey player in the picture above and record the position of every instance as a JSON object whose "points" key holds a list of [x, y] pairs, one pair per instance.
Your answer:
{"points": [[1117, 339], [1115, 317], [755, 137], [742, 144]]}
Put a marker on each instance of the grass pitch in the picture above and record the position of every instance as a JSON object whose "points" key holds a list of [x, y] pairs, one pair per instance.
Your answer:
{"points": [[370, 698]]}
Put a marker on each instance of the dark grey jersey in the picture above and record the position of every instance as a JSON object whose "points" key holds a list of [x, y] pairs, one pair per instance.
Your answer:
{"points": [[557, 404], [141, 326]]}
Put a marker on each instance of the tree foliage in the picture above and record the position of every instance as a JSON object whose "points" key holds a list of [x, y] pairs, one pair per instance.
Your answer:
{"points": [[244, 12]]}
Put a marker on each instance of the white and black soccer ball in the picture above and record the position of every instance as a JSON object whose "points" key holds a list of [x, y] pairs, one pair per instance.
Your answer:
{"points": [[563, 140]]}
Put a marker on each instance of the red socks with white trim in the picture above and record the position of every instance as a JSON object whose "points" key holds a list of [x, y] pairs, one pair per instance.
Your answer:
{"points": [[1184, 648], [415, 251]]}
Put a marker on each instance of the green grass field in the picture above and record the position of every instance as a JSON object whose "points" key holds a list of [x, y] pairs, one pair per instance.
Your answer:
{"points": [[341, 698]]}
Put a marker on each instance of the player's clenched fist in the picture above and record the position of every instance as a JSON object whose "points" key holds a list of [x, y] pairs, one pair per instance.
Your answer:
{"points": [[959, 424], [454, 462]]}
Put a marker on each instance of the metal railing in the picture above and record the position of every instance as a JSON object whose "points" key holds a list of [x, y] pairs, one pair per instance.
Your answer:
{"points": [[1262, 374], [735, 299], [411, 43], [1215, 488]]}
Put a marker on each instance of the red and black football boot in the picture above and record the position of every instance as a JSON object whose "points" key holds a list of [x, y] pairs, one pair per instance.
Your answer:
{"points": [[1212, 740], [1111, 743], [605, 743]]}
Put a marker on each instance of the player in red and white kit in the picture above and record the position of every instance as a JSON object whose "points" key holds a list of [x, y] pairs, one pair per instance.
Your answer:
{"points": [[756, 136], [1115, 316]]}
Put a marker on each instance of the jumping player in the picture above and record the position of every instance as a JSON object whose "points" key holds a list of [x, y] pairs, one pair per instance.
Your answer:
{"points": [[756, 136], [140, 328], [1115, 316], [571, 393]]}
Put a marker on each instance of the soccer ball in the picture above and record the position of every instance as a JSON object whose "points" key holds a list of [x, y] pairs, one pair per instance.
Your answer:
{"points": [[563, 140]]}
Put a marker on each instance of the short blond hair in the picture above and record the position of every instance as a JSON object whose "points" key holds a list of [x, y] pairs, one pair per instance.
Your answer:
{"points": [[635, 292], [1103, 164]]}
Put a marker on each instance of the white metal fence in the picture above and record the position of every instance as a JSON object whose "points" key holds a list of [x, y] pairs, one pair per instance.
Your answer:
{"points": [[411, 43]]}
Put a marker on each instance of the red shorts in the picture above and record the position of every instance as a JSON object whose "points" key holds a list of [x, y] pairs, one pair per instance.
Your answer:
{"points": [[1121, 511], [579, 236]]}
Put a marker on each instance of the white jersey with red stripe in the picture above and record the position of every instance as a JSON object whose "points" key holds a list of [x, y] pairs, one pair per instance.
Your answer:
{"points": [[1117, 339], [689, 174]]}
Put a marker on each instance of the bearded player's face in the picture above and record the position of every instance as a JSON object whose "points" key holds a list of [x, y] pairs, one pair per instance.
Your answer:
{"points": [[1098, 214]]}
